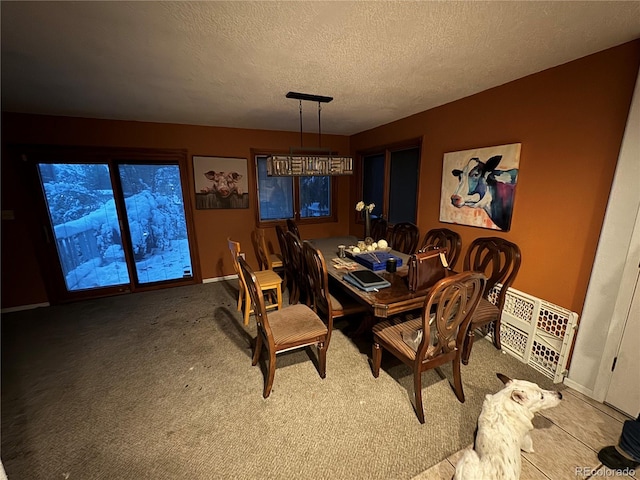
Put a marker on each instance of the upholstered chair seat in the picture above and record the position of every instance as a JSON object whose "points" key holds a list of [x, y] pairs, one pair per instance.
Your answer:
{"points": [[295, 323]]}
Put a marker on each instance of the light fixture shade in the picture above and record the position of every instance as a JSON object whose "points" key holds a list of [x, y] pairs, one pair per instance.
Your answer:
{"points": [[304, 163], [308, 165]]}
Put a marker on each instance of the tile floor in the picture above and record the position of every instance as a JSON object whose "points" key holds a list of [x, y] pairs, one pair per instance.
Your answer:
{"points": [[566, 442]]}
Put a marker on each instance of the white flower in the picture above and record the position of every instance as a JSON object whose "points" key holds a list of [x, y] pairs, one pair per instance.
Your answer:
{"points": [[361, 206]]}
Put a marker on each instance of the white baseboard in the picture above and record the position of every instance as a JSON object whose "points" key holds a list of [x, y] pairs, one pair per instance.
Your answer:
{"points": [[581, 389], [47, 304], [25, 307], [219, 279]]}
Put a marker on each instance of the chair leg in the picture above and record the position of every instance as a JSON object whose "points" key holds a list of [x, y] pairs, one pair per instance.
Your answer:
{"points": [[457, 379], [240, 297], [417, 386], [279, 296], [468, 344], [376, 359], [271, 373], [258, 350], [322, 359], [247, 310], [496, 334]]}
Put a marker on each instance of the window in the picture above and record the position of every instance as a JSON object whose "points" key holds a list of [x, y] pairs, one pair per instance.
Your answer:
{"points": [[390, 180], [298, 198]]}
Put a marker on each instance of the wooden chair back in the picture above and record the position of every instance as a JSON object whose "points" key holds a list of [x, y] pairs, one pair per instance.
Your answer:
{"points": [[443, 237], [267, 260], [300, 291], [318, 282], [259, 245], [404, 237], [379, 228], [289, 273], [498, 259], [234, 248], [257, 299], [445, 318], [293, 227], [327, 305], [271, 282], [453, 300]]}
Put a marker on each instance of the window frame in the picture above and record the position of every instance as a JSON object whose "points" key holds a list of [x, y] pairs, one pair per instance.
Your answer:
{"points": [[387, 151], [53, 277], [333, 194]]}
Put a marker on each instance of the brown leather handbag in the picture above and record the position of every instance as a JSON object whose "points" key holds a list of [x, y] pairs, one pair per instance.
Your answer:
{"points": [[426, 267]]}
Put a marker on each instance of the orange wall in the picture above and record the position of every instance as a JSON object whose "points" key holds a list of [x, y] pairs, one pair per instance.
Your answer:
{"points": [[570, 121], [22, 282]]}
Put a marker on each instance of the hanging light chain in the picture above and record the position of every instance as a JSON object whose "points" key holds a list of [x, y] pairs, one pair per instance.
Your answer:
{"points": [[300, 123]]}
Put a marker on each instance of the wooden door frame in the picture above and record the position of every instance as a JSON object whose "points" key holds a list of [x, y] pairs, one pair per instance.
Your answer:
{"points": [[40, 225]]}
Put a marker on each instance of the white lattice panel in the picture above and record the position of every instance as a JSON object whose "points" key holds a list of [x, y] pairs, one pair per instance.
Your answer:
{"points": [[536, 332]]}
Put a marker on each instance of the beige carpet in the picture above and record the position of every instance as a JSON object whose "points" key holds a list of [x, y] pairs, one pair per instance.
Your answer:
{"points": [[160, 385]]}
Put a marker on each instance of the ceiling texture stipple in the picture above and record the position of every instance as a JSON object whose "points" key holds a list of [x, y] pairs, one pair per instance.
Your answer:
{"points": [[230, 64]]}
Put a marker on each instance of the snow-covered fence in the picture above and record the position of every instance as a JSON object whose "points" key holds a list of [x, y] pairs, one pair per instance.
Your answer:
{"points": [[77, 249]]}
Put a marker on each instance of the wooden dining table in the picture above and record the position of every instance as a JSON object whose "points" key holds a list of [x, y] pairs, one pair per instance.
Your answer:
{"points": [[383, 303]]}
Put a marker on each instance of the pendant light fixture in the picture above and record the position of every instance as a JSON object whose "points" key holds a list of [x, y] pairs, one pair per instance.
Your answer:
{"points": [[304, 163]]}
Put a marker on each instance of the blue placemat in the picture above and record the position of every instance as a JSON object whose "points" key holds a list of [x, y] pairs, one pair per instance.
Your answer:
{"points": [[370, 260]]}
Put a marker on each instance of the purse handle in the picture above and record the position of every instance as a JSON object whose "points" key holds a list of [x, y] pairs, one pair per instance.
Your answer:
{"points": [[443, 254]]}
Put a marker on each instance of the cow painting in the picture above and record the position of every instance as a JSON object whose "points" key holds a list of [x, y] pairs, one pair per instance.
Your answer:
{"points": [[484, 190], [221, 186]]}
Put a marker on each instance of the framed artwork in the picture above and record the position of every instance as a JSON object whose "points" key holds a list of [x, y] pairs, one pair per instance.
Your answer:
{"points": [[478, 186], [220, 182]]}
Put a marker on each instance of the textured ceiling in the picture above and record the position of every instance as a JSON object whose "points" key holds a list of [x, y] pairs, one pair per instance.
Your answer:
{"points": [[231, 63]]}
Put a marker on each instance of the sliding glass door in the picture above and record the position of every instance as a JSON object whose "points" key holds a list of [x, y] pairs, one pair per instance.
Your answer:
{"points": [[117, 224], [156, 221]]}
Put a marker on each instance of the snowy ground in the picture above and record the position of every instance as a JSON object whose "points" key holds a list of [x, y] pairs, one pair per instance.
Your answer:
{"points": [[168, 264]]}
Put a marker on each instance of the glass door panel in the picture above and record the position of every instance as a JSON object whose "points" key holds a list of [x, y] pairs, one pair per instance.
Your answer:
{"points": [[403, 185], [156, 218], [373, 182], [85, 225]]}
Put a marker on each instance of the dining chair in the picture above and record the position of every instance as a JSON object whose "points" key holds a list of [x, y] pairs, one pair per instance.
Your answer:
{"points": [[326, 304], [286, 261], [443, 237], [379, 228], [292, 226], [499, 260], [269, 280], [267, 260], [292, 327], [404, 237], [300, 290], [445, 316]]}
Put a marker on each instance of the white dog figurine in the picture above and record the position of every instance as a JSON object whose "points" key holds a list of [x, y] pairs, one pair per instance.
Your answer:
{"points": [[504, 428]]}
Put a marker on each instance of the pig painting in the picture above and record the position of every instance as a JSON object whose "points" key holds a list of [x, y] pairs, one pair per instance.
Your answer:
{"points": [[221, 187], [222, 183]]}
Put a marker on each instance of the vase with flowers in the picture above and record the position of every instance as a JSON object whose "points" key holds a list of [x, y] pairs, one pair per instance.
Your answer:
{"points": [[366, 212]]}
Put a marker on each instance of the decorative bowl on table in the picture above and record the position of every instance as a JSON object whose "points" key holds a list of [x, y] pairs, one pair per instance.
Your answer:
{"points": [[355, 250]]}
